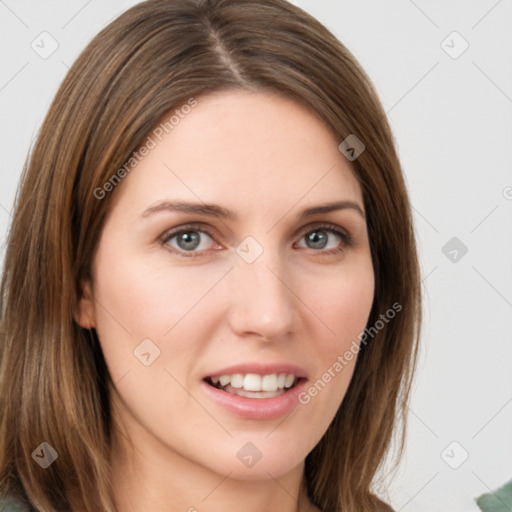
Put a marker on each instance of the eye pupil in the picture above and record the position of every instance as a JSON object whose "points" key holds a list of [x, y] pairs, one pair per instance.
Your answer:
{"points": [[319, 240], [190, 239]]}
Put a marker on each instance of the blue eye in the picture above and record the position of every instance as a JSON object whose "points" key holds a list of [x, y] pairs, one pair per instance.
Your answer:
{"points": [[187, 240], [191, 241], [318, 238]]}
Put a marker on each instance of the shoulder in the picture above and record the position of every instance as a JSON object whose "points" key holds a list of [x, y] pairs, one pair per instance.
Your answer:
{"points": [[13, 505]]}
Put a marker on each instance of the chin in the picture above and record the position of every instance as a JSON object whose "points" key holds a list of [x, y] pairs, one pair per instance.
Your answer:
{"points": [[259, 457]]}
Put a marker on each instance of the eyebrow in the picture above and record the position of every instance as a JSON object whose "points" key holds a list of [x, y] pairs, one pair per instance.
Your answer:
{"points": [[217, 211]]}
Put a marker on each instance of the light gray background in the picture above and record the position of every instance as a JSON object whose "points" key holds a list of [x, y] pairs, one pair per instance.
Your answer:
{"points": [[452, 122]]}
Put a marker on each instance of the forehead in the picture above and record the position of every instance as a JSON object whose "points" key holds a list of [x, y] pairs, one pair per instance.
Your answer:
{"points": [[242, 149]]}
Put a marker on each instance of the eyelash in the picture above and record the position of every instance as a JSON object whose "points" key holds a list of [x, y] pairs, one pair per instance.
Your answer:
{"points": [[345, 237]]}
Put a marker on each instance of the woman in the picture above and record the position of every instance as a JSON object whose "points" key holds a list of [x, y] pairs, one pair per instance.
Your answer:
{"points": [[211, 295]]}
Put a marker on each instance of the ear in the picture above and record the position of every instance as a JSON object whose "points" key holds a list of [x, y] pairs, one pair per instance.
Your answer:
{"points": [[85, 314]]}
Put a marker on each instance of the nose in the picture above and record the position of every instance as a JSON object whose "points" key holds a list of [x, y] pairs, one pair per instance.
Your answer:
{"points": [[262, 302]]}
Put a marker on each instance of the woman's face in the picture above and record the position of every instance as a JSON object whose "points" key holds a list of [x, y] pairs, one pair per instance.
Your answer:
{"points": [[238, 279]]}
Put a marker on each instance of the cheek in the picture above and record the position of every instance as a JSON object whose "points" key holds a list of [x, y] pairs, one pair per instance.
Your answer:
{"points": [[140, 298], [147, 300], [343, 304], [342, 307]]}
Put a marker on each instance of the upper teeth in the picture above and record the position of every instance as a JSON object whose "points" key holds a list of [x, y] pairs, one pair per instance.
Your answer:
{"points": [[255, 382]]}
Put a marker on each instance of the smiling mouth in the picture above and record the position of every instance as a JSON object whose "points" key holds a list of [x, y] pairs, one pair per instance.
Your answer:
{"points": [[252, 385]]}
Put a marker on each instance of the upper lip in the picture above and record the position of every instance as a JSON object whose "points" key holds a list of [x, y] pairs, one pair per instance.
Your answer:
{"points": [[261, 369]]}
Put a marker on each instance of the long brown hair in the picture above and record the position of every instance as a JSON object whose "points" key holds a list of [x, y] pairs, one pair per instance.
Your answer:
{"points": [[54, 385]]}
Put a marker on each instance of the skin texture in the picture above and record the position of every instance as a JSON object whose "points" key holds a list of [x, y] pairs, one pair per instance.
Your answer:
{"points": [[266, 158]]}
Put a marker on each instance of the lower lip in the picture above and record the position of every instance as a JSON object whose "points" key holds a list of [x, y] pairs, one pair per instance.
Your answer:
{"points": [[257, 408]]}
